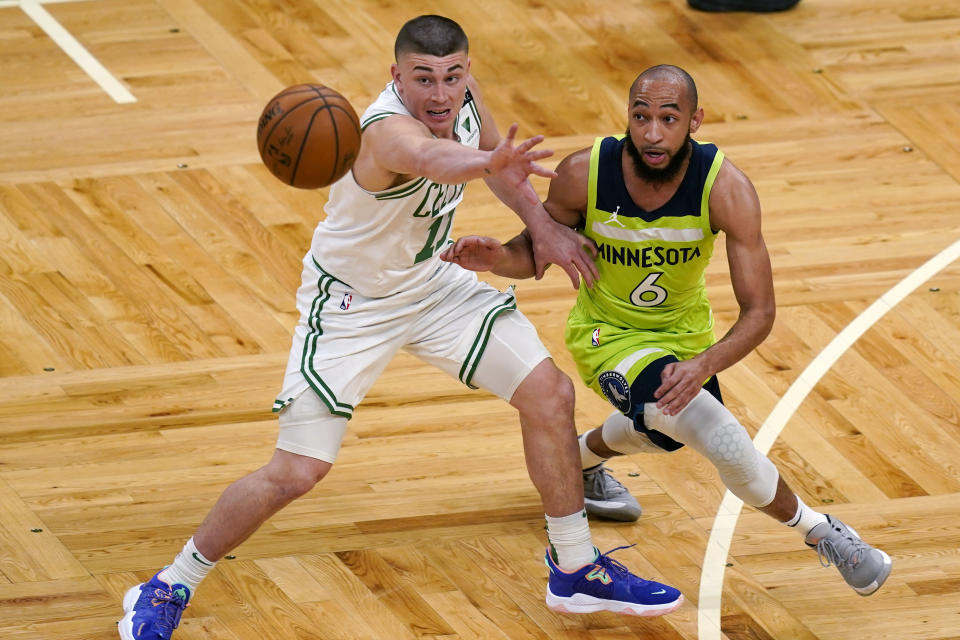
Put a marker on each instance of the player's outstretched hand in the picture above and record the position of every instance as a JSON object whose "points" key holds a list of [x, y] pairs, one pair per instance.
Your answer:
{"points": [[555, 243], [516, 163], [476, 253]]}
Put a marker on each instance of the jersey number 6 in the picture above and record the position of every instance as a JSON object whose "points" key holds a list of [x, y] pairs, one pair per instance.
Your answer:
{"points": [[648, 293]]}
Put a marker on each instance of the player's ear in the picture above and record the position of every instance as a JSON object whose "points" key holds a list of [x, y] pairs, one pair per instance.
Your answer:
{"points": [[395, 72], [696, 120]]}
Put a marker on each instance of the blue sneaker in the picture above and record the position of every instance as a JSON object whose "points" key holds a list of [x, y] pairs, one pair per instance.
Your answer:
{"points": [[607, 585], [153, 610]]}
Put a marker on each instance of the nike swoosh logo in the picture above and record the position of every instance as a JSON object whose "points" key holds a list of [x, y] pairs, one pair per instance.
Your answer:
{"points": [[605, 503], [657, 593], [197, 558]]}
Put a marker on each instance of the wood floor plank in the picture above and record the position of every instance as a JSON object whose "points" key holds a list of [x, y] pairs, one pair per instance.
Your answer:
{"points": [[147, 284]]}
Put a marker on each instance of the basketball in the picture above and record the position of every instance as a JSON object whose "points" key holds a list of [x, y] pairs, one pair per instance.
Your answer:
{"points": [[308, 136]]}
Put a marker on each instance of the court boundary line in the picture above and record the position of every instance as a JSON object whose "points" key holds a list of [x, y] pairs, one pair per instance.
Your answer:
{"points": [[72, 47], [728, 513]]}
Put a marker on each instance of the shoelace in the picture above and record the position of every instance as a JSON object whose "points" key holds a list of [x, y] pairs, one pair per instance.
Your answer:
{"points": [[614, 566], [171, 608], [605, 484], [841, 554]]}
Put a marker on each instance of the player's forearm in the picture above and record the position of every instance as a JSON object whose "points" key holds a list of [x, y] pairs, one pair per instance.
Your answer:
{"points": [[449, 162], [750, 329], [523, 200], [517, 259]]}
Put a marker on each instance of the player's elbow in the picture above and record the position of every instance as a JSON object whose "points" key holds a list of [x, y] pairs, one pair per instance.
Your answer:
{"points": [[758, 320], [766, 316]]}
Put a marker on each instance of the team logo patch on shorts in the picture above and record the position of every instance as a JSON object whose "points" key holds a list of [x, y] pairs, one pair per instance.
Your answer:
{"points": [[616, 389]]}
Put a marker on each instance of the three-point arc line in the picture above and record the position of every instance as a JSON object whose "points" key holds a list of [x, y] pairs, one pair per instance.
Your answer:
{"points": [[718, 545]]}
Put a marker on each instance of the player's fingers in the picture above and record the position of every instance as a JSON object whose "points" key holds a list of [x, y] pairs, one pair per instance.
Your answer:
{"points": [[663, 394], [530, 143], [673, 401], [512, 133], [539, 267], [543, 172], [583, 269], [680, 403], [538, 154], [466, 243], [666, 384], [586, 264], [592, 267], [590, 247], [573, 274]]}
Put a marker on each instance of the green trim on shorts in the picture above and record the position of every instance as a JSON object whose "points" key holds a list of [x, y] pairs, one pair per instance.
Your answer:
{"points": [[483, 336], [314, 331]]}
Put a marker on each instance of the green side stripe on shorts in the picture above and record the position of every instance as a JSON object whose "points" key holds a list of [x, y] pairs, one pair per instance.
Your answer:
{"points": [[483, 336], [336, 407]]}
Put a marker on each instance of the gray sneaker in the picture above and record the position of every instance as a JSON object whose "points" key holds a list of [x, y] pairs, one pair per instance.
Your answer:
{"points": [[604, 497], [862, 566]]}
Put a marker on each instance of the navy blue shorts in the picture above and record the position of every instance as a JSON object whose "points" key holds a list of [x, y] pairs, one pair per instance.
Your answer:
{"points": [[641, 392]]}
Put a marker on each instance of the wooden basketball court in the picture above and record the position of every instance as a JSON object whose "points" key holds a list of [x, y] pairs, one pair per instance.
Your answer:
{"points": [[147, 278]]}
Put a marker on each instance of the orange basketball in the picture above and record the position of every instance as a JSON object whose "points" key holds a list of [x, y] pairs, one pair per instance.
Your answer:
{"points": [[308, 136]]}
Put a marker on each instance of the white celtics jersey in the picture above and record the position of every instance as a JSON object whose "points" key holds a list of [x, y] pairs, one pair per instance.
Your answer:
{"points": [[383, 242]]}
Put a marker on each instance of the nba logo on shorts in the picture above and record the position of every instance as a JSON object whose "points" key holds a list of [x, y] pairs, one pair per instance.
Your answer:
{"points": [[595, 338], [345, 303]]}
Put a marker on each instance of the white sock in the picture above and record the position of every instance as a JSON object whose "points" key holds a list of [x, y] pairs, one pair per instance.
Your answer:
{"points": [[588, 458], [188, 568], [805, 519], [570, 543]]}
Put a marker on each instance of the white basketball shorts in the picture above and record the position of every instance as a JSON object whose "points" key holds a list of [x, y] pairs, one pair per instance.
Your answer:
{"points": [[344, 341]]}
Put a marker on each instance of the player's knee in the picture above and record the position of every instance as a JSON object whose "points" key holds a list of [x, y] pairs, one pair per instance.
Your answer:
{"points": [[755, 483], [709, 428], [560, 392], [292, 475], [305, 478], [564, 391], [746, 472], [546, 391]]}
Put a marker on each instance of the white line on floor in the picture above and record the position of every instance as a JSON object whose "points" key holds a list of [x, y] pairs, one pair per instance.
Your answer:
{"points": [[718, 545], [77, 52]]}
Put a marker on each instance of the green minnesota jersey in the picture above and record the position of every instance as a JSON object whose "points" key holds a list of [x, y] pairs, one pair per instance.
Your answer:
{"points": [[651, 295]]}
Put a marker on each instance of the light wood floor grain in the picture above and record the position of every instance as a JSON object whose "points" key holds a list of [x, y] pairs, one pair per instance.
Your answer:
{"points": [[149, 261]]}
